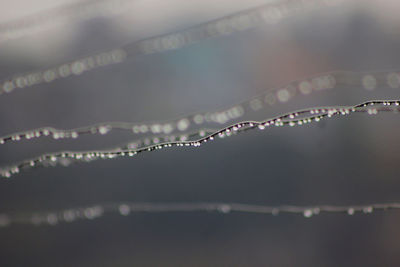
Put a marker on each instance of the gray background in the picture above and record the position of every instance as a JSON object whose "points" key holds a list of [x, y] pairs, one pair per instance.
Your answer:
{"points": [[345, 161]]}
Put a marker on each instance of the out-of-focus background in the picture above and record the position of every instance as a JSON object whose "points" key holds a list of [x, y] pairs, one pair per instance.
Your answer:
{"points": [[344, 161]]}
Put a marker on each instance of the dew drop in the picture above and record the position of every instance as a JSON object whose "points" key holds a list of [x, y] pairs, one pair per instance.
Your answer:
{"points": [[283, 95], [305, 87], [393, 80], [308, 213], [4, 220], [49, 75], [256, 104], [74, 135], [118, 55], [275, 211], [104, 129], [144, 128], [316, 211], [183, 124], [198, 119], [270, 99], [8, 87], [350, 211], [168, 128], [369, 82], [52, 219], [69, 215], [124, 209], [224, 208], [77, 68], [156, 128], [64, 70], [368, 209]]}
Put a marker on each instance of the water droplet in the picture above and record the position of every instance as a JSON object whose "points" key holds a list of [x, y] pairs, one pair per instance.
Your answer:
{"points": [[270, 99], [198, 119], [52, 219], [283, 95], [8, 87], [77, 68], [69, 215], [369, 82], [124, 209], [393, 79], [49, 75], [308, 213], [368, 209], [224, 208], [275, 211], [256, 104], [183, 124], [305, 87], [74, 135], [4, 220], [104, 129], [350, 211]]}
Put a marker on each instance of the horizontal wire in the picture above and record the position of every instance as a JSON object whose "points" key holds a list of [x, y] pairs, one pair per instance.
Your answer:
{"points": [[296, 118], [270, 13], [305, 86], [131, 208]]}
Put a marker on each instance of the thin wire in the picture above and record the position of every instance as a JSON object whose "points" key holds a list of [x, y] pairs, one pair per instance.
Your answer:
{"points": [[130, 208], [270, 13], [295, 118], [315, 83]]}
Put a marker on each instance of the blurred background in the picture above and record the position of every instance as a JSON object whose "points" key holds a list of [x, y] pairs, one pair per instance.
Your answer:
{"points": [[343, 161]]}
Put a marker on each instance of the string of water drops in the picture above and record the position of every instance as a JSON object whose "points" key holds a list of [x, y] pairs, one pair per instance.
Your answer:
{"points": [[129, 208], [270, 13], [316, 83], [155, 140], [158, 139], [296, 118]]}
